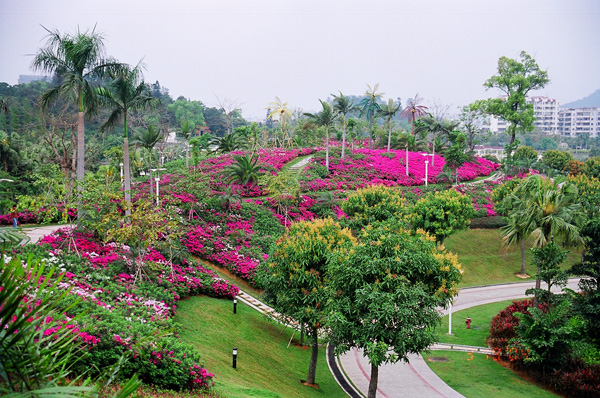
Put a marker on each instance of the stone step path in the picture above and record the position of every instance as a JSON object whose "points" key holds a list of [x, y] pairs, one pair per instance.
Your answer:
{"points": [[264, 309], [298, 167]]}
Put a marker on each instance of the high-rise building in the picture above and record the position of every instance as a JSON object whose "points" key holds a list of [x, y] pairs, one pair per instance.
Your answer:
{"points": [[576, 121], [545, 111]]}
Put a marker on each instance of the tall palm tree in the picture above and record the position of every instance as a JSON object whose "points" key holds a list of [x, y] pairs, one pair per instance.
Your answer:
{"points": [[342, 105], [324, 118], [369, 106], [281, 112], [147, 138], [187, 129], [542, 209], [429, 125], [124, 93], [388, 111], [414, 110], [78, 61]]}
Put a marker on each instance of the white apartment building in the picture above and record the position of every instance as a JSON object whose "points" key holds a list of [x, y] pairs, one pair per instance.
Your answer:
{"points": [[545, 111], [576, 121]]}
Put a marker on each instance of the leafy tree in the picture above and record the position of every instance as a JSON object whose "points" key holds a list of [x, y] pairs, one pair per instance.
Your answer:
{"points": [[547, 261], [79, 62], [375, 203], [342, 105], [456, 154], [388, 111], [369, 106], [525, 153], [324, 118], [9, 152], [125, 92], [429, 125], [556, 159], [515, 78], [442, 213], [229, 143], [592, 167], [587, 304], [385, 295], [296, 280], [352, 124], [244, 170], [548, 143], [190, 111]]}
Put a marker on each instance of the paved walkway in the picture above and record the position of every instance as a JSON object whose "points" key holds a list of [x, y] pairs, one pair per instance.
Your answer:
{"points": [[416, 379], [36, 233]]}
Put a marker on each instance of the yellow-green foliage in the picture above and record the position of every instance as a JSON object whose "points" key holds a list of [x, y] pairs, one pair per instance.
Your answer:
{"points": [[375, 203], [502, 191], [441, 213], [589, 190]]}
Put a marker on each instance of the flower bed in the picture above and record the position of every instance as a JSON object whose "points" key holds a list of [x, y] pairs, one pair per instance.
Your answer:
{"points": [[129, 297], [366, 167], [43, 215]]}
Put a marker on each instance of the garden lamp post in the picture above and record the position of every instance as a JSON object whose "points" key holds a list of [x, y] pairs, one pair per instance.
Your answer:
{"points": [[407, 159], [151, 193], [235, 357], [235, 305], [426, 166], [122, 179], [157, 179]]}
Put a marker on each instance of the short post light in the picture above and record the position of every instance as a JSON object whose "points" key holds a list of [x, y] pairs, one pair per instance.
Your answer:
{"points": [[426, 167], [235, 305], [235, 358], [407, 159], [122, 179], [157, 179]]}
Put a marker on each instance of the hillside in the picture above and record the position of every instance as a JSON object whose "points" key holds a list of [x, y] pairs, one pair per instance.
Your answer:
{"points": [[592, 100]]}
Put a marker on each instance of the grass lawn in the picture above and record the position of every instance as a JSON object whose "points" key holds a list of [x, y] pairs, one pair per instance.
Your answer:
{"points": [[481, 316], [477, 375], [485, 262], [265, 367]]}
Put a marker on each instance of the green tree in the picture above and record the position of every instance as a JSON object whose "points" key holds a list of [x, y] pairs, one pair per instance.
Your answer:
{"points": [[547, 260], [556, 159], [229, 143], [388, 111], [429, 125], [525, 153], [125, 92], [472, 120], [296, 280], [375, 203], [385, 295], [442, 213], [79, 62], [187, 129], [342, 105], [515, 78], [324, 118], [190, 111], [592, 167], [244, 169], [369, 106], [147, 138], [456, 154], [9, 152]]}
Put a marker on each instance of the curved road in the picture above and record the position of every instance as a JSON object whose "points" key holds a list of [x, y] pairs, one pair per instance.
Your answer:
{"points": [[415, 379]]}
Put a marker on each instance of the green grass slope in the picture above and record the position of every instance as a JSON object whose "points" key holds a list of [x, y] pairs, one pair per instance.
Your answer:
{"points": [[265, 366]]}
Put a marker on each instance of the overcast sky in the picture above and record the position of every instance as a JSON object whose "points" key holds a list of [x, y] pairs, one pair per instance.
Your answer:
{"points": [[249, 51]]}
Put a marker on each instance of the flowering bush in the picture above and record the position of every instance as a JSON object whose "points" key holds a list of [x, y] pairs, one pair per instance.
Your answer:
{"points": [[43, 215], [502, 327]]}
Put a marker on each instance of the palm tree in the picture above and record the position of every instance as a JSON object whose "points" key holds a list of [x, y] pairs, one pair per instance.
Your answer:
{"points": [[342, 105], [369, 105], [187, 130], [78, 61], [125, 92], [228, 143], [9, 151], [543, 209], [388, 111], [428, 125], [413, 110], [147, 138], [324, 118], [244, 170], [280, 111]]}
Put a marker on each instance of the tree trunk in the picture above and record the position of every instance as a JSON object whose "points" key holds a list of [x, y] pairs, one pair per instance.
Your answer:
{"points": [[127, 176], [371, 132], [344, 138], [389, 136], [327, 150], [80, 162], [433, 157], [373, 382], [312, 368], [523, 272], [538, 285], [187, 155]]}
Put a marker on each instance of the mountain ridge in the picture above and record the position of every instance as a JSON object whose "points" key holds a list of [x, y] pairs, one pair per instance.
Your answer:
{"points": [[591, 101]]}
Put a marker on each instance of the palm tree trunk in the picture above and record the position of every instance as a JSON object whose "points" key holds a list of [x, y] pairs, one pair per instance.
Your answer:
{"points": [[187, 155], [371, 131], [344, 138], [327, 150], [372, 393], [389, 136], [433, 157], [523, 272], [127, 176], [80, 161], [312, 368]]}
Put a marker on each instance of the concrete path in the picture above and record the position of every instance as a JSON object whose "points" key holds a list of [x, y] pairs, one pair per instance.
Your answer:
{"points": [[36, 233], [416, 379]]}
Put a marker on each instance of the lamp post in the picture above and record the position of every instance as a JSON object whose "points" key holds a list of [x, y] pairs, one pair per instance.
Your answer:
{"points": [[235, 305], [157, 179], [407, 159], [426, 166], [234, 357], [122, 179]]}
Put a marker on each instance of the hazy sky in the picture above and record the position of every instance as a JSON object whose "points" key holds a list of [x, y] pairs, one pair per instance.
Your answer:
{"points": [[249, 51]]}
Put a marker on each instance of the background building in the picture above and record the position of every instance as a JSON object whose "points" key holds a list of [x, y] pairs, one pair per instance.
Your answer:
{"points": [[545, 111], [573, 122]]}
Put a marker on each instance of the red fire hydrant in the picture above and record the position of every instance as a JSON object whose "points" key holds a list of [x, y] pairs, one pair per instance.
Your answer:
{"points": [[468, 322]]}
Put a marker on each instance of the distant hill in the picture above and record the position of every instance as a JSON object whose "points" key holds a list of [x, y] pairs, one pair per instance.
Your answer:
{"points": [[592, 100]]}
